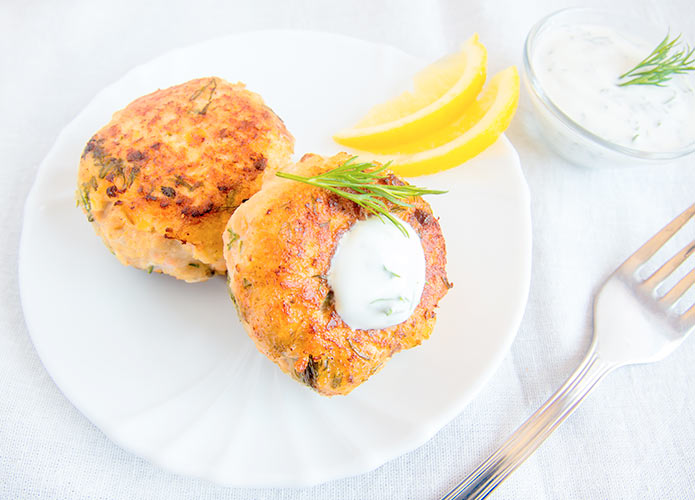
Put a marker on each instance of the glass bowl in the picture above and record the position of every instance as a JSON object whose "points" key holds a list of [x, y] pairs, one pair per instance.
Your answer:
{"points": [[571, 140]]}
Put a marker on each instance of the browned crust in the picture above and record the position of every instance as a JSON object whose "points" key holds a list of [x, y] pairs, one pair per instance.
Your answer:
{"points": [[179, 161], [279, 247]]}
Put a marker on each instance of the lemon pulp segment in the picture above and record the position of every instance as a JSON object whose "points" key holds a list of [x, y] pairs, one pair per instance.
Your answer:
{"points": [[441, 92], [477, 128]]}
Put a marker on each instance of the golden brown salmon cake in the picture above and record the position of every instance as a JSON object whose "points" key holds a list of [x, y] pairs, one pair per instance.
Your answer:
{"points": [[161, 179], [278, 248]]}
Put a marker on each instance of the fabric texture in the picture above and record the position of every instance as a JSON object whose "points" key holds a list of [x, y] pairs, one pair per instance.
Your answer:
{"points": [[634, 437]]}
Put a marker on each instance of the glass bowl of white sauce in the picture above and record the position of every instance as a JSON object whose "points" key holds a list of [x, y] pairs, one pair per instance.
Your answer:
{"points": [[573, 60]]}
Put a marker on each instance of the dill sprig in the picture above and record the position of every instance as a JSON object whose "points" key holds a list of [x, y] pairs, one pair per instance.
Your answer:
{"points": [[358, 182], [668, 58]]}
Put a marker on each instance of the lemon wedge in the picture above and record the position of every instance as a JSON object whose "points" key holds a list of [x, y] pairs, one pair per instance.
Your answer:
{"points": [[441, 92], [472, 132]]}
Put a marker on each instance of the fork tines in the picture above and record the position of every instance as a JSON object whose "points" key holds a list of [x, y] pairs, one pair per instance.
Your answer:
{"points": [[651, 247]]}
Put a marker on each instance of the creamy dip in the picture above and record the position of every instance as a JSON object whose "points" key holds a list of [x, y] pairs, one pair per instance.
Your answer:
{"points": [[578, 67], [377, 274]]}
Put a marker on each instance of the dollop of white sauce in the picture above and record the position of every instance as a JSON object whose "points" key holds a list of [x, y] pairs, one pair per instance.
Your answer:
{"points": [[377, 274], [578, 67]]}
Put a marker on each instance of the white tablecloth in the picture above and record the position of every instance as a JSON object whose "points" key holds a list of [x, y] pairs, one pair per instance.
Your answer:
{"points": [[634, 437]]}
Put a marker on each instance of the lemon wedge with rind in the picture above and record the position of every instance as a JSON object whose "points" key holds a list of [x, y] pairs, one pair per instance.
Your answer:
{"points": [[478, 127], [441, 92]]}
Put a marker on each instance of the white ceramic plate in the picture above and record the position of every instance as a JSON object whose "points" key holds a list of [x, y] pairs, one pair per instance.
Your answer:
{"points": [[164, 367]]}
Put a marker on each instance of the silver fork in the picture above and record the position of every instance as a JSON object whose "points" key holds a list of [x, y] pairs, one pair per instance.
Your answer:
{"points": [[633, 323]]}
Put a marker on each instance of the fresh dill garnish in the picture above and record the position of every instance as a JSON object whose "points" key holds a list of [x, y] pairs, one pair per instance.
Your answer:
{"points": [[86, 201], [180, 181], [232, 238], [328, 301], [669, 58], [211, 86], [388, 309], [358, 182], [359, 353], [400, 298], [393, 275]]}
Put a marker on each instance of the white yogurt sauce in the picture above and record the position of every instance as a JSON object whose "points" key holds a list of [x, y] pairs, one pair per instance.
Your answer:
{"points": [[579, 66], [377, 274]]}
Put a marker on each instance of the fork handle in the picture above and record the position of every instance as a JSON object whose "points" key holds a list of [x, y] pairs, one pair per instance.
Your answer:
{"points": [[527, 438]]}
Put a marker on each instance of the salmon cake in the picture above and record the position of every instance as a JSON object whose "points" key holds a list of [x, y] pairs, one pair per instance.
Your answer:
{"points": [[161, 179], [279, 248]]}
